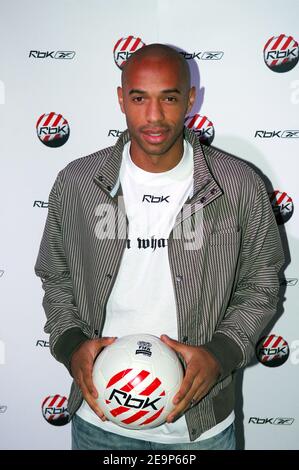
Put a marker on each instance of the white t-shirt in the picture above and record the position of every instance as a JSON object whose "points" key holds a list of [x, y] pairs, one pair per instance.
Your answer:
{"points": [[142, 299]]}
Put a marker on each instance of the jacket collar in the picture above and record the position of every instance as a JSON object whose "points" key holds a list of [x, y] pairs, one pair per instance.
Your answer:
{"points": [[205, 189]]}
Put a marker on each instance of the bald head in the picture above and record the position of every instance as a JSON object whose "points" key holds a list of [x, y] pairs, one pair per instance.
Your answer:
{"points": [[158, 53]]}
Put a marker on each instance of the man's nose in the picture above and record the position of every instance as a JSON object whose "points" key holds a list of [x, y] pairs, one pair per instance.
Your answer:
{"points": [[154, 111]]}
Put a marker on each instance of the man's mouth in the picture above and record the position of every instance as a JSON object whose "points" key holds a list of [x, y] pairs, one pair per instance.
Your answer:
{"points": [[155, 136]]}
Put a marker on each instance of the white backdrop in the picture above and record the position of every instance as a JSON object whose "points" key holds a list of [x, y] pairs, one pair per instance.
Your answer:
{"points": [[237, 92]]}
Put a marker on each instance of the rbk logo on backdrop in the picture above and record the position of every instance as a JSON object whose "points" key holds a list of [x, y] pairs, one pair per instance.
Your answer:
{"points": [[54, 409], [52, 54], [281, 53], [41, 204], [286, 134], [42, 343], [276, 421], [272, 351], [207, 55], [282, 205], [202, 126], [289, 282], [124, 48], [114, 133], [52, 129]]}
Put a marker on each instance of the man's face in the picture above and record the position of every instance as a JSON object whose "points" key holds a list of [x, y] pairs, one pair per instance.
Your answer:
{"points": [[155, 99]]}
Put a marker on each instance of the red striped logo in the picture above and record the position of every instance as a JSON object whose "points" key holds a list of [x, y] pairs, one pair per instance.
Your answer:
{"points": [[282, 205], [124, 48], [281, 53], [272, 351], [54, 409], [135, 397], [202, 126], [52, 129]]}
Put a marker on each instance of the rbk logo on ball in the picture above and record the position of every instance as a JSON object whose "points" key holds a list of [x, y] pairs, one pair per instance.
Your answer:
{"points": [[202, 126], [282, 205], [122, 396], [124, 48], [281, 53], [272, 351], [55, 411], [52, 129]]}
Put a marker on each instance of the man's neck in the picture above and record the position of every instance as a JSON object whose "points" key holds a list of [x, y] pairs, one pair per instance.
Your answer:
{"points": [[157, 163]]}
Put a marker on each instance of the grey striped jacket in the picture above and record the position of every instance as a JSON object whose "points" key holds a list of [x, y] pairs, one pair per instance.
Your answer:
{"points": [[226, 284]]}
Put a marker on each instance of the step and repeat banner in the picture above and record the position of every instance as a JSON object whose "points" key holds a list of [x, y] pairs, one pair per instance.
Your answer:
{"points": [[60, 67]]}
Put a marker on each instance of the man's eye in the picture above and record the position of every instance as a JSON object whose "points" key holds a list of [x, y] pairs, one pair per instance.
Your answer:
{"points": [[138, 99], [171, 98]]}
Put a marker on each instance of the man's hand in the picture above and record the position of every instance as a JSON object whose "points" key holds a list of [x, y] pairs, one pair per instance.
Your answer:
{"points": [[201, 374], [81, 366]]}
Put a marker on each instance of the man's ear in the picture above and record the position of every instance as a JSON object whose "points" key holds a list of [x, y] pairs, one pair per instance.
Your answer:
{"points": [[120, 98], [191, 98]]}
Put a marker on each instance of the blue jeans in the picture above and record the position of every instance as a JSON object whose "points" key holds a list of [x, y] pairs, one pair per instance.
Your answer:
{"points": [[86, 436]]}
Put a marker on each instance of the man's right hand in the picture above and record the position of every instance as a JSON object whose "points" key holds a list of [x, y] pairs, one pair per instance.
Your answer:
{"points": [[81, 366]]}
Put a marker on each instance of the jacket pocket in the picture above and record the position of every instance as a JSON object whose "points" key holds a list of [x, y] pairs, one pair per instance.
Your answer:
{"points": [[221, 271], [225, 238], [223, 253]]}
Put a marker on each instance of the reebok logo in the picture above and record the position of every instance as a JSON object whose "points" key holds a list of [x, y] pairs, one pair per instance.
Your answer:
{"points": [[155, 199]]}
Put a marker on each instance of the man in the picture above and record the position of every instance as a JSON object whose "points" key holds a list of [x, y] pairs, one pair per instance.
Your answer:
{"points": [[207, 291]]}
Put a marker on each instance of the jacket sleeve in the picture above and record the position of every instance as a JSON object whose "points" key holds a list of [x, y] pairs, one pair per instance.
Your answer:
{"points": [[255, 297], [63, 323]]}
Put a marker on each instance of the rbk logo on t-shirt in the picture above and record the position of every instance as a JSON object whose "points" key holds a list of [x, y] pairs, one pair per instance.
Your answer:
{"points": [[155, 199]]}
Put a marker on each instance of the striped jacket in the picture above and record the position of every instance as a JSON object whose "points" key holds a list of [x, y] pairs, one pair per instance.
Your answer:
{"points": [[226, 288]]}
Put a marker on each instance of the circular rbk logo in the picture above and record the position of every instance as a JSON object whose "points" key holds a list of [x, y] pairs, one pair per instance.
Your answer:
{"points": [[202, 126], [124, 48], [281, 53], [282, 205], [137, 402], [272, 351], [55, 411], [52, 129]]}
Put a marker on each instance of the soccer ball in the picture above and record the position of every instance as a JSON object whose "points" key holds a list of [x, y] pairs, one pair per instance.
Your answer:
{"points": [[137, 377]]}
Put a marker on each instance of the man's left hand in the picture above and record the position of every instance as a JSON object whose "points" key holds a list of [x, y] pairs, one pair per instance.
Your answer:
{"points": [[201, 374]]}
